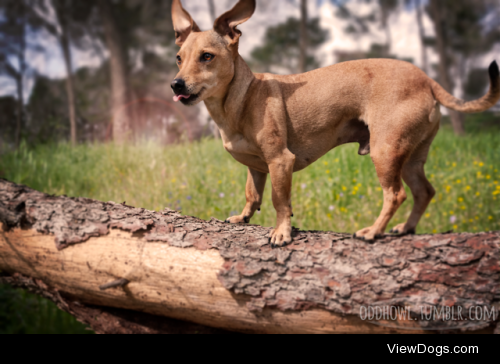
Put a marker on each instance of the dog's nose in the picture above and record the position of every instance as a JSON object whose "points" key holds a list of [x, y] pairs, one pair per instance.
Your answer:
{"points": [[178, 85]]}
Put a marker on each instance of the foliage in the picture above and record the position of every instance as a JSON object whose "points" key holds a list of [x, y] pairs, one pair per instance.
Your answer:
{"points": [[25, 313], [281, 46]]}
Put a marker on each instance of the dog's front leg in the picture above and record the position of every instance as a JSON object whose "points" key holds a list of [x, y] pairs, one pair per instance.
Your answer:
{"points": [[256, 182], [281, 170]]}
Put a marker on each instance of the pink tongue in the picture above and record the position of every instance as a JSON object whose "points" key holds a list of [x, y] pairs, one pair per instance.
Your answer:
{"points": [[179, 97]]}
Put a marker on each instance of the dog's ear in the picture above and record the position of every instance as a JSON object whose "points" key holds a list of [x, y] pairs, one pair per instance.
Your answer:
{"points": [[183, 23], [226, 24]]}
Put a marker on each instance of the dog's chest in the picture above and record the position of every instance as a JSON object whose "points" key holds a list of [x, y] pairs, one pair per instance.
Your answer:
{"points": [[237, 144], [244, 152]]}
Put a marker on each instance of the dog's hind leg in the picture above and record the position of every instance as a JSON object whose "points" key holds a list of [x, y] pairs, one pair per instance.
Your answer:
{"points": [[389, 160], [254, 190], [421, 188]]}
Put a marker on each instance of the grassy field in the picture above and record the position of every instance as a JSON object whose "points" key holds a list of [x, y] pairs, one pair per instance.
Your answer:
{"points": [[340, 192], [25, 313]]}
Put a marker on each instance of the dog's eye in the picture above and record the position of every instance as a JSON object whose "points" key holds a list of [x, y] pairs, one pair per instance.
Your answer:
{"points": [[179, 60], [207, 57]]}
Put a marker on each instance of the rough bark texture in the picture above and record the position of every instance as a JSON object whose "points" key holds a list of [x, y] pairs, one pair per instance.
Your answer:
{"points": [[320, 276]]}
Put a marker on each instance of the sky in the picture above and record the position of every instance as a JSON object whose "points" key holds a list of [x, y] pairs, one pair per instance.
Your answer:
{"points": [[406, 42]]}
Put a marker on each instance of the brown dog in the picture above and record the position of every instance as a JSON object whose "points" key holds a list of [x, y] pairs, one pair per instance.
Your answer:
{"points": [[278, 125]]}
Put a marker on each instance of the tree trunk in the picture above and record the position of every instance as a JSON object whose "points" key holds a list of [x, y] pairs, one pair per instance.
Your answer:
{"points": [[212, 125], [387, 29], [21, 111], [92, 253], [457, 119], [421, 31], [118, 70], [303, 36], [70, 90], [211, 7]]}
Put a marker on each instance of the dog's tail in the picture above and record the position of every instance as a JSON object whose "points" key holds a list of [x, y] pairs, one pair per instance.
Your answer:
{"points": [[482, 104]]}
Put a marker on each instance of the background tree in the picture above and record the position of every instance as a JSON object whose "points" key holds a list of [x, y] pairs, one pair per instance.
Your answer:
{"points": [[421, 33], [118, 70], [303, 36], [211, 8], [282, 47], [17, 20], [387, 7], [360, 25], [461, 35], [69, 29]]}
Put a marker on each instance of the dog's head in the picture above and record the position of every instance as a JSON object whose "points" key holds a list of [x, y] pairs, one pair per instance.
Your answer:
{"points": [[206, 59]]}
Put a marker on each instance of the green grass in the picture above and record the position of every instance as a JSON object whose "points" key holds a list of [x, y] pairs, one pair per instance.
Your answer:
{"points": [[340, 192], [25, 313]]}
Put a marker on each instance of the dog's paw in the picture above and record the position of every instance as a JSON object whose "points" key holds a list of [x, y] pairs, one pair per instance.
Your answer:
{"points": [[403, 229], [369, 234], [281, 236], [240, 219]]}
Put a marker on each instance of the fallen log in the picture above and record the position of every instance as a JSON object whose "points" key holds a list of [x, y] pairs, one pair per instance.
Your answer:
{"points": [[129, 264]]}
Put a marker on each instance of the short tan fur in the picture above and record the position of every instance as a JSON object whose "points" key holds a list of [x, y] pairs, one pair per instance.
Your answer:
{"points": [[278, 125]]}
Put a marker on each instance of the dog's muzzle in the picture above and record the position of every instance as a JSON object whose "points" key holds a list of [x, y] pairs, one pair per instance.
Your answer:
{"points": [[178, 86]]}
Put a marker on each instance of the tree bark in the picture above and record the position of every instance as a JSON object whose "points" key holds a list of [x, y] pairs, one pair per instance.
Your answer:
{"points": [[303, 36], [106, 256], [70, 90], [118, 70], [457, 119]]}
